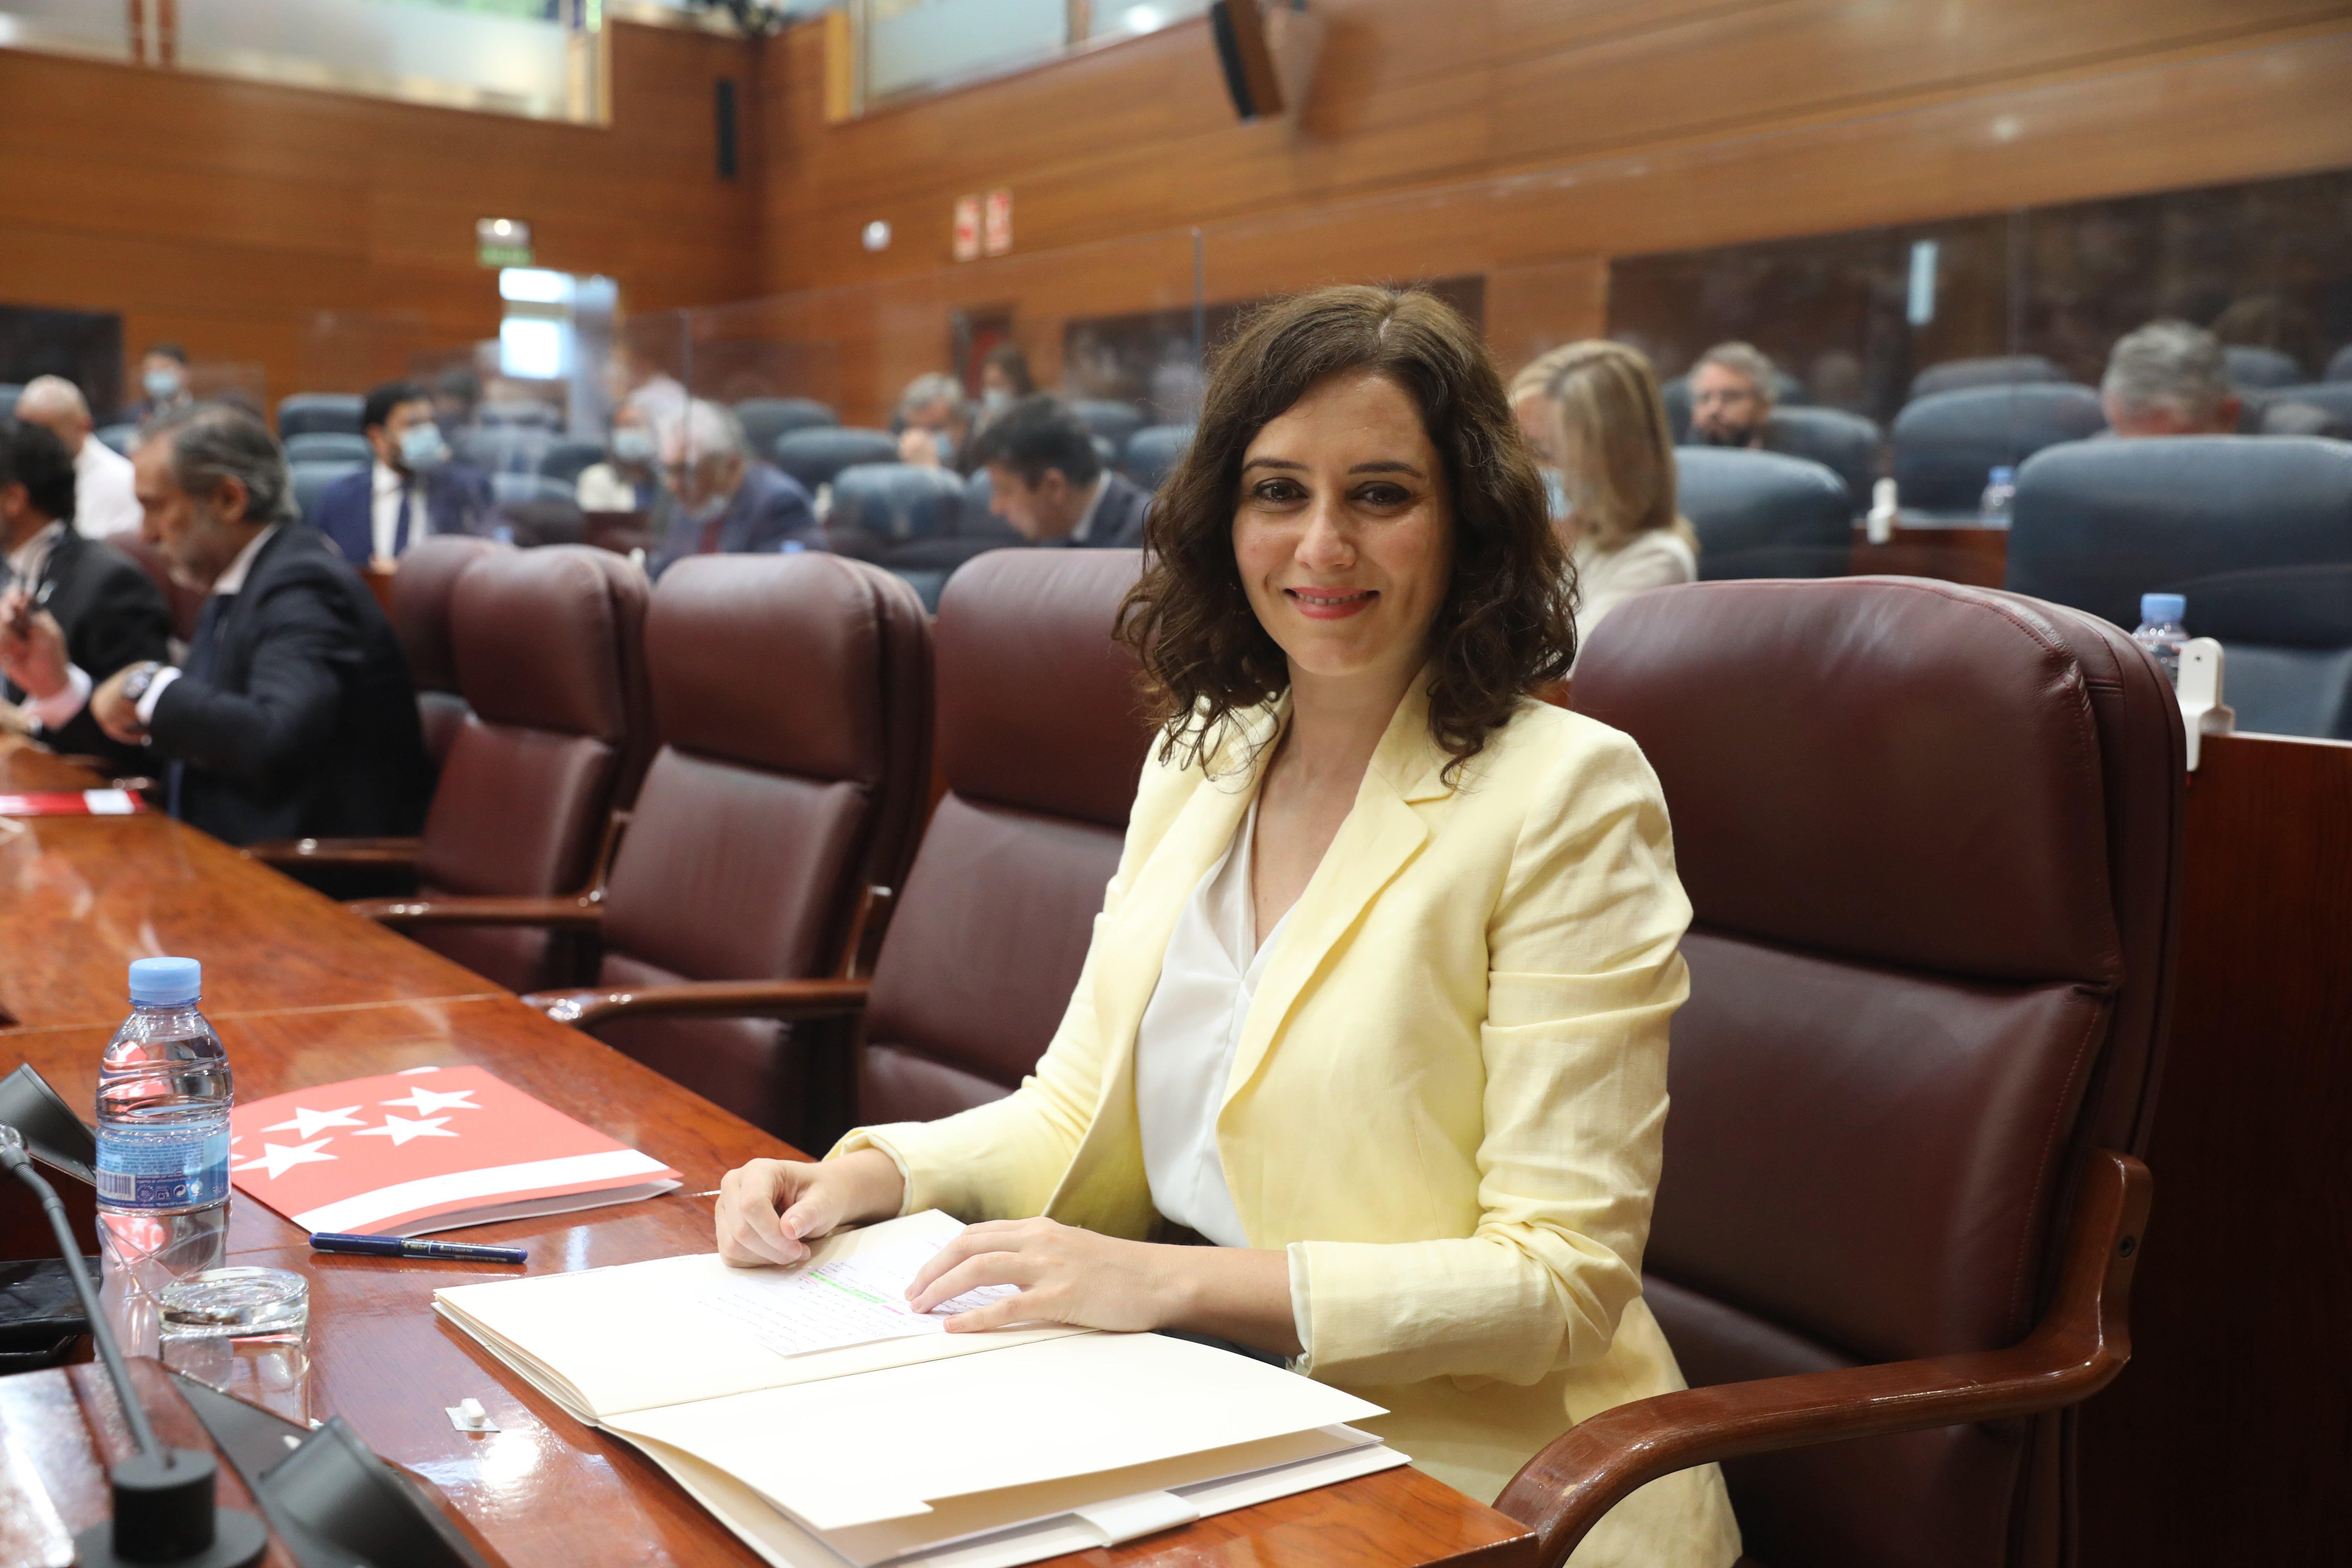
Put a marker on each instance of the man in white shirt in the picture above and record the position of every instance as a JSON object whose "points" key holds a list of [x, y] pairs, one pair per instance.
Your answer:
{"points": [[104, 501]]}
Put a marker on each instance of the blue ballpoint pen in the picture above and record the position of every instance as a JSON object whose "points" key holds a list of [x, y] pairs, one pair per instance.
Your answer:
{"points": [[407, 1246]]}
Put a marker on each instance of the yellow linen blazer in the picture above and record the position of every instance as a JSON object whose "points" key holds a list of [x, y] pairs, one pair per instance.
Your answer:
{"points": [[1446, 1104]]}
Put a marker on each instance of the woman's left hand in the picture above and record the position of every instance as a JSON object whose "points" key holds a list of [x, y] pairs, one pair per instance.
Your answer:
{"points": [[1066, 1275]]}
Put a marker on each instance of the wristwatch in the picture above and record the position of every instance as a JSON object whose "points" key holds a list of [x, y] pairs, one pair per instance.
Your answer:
{"points": [[141, 677]]}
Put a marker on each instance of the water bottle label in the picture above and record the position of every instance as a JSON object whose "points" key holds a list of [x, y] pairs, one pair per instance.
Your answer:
{"points": [[146, 1170]]}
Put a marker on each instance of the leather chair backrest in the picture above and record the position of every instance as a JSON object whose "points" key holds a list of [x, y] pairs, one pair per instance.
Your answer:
{"points": [[2251, 366], [2256, 531], [1761, 514], [1041, 737], [793, 696], [1788, 392], [1998, 369], [877, 505], [2332, 397], [305, 411], [422, 591], [517, 413], [1846, 443], [566, 460], [2339, 364], [327, 446], [116, 438], [766, 418], [1109, 420], [1931, 839], [311, 479], [814, 455], [1153, 450], [1947, 444], [550, 653], [9, 391]]}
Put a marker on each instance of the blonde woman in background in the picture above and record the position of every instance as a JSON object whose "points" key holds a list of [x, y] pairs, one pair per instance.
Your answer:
{"points": [[1608, 434]]}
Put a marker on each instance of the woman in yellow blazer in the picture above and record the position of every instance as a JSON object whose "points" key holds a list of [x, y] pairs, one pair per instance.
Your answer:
{"points": [[1414, 932]]}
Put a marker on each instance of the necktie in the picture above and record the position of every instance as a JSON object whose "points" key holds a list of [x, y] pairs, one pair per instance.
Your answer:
{"points": [[202, 649], [400, 523]]}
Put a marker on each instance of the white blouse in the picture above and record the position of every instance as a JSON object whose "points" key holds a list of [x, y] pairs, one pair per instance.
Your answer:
{"points": [[1184, 1047]]}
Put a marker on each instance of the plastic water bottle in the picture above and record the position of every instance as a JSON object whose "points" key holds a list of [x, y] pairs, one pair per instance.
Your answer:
{"points": [[163, 1096], [1999, 494], [2161, 630]]}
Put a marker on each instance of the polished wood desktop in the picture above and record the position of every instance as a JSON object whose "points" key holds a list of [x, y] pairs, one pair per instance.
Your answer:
{"points": [[305, 992]]}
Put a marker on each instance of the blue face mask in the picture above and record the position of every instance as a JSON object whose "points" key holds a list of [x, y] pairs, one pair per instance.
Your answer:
{"points": [[422, 449], [633, 444], [163, 384], [1556, 493]]}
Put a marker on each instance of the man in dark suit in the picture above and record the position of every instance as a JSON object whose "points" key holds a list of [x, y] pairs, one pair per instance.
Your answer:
{"points": [[726, 504], [411, 490], [1046, 480], [293, 715], [107, 612]]}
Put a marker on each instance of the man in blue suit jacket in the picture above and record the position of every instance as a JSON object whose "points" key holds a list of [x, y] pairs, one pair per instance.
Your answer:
{"points": [[725, 503], [410, 491]]}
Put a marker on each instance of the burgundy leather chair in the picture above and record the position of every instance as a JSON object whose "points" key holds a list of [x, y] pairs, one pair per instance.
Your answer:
{"points": [[793, 698], [549, 647], [1932, 837], [1041, 740], [421, 591]]}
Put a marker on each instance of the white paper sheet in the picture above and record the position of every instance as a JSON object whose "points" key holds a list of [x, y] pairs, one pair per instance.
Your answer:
{"points": [[849, 1300]]}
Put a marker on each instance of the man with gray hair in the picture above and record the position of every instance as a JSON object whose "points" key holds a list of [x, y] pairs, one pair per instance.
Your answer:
{"points": [[934, 420], [727, 503], [2168, 378], [293, 715], [1732, 389], [104, 502]]}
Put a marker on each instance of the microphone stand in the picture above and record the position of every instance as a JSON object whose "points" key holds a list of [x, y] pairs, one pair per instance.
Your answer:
{"points": [[164, 1513]]}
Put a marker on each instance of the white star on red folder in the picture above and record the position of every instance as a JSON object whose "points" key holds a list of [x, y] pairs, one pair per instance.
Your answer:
{"points": [[280, 1158], [400, 1129], [424, 1102]]}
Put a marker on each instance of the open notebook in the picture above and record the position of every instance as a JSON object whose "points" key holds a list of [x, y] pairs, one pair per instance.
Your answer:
{"points": [[825, 1424]]}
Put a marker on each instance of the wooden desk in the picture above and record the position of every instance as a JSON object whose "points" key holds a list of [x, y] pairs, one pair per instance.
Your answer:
{"points": [[303, 992], [1962, 553]]}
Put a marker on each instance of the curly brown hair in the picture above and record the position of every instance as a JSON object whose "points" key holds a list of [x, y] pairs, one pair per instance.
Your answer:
{"points": [[1507, 624]]}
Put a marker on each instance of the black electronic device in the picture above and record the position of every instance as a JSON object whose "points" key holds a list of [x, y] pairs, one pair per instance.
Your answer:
{"points": [[1239, 30], [165, 1513]]}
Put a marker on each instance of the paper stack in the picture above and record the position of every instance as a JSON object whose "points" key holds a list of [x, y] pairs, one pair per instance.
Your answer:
{"points": [[826, 1423]]}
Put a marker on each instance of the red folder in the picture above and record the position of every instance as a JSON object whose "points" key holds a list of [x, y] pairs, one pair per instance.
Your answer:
{"points": [[426, 1150], [72, 803]]}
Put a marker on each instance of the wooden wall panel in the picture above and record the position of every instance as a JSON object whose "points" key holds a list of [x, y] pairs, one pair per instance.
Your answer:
{"points": [[235, 217], [1488, 135]]}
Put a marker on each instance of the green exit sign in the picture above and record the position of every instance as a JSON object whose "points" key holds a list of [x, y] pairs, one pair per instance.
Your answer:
{"points": [[502, 242]]}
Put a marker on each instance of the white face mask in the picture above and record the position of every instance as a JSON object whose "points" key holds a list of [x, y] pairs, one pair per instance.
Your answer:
{"points": [[994, 399], [163, 383], [708, 509], [1556, 493], [633, 444], [422, 449]]}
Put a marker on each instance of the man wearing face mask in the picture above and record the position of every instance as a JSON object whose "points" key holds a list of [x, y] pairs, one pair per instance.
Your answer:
{"points": [[725, 503], [164, 377], [629, 479], [293, 715], [412, 489], [933, 421]]}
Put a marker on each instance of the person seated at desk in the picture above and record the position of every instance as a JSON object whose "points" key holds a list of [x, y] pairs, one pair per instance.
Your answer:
{"points": [[934, 421], [164, 377], [1616, 455], [1378, 1002], [411, 490], [293, 716], [629, 479], [90, 600], [725, 503], [1732, 390], [104, 501], [2168, 378], [1048, 481]]}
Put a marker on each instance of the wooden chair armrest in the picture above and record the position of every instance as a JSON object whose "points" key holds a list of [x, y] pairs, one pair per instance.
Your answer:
{"points": [[567, 911], [335, 852], [707, 999], [2076, 1350]]}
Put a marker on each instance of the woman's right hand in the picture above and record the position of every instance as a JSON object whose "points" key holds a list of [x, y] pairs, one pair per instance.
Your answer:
{"points": [[770, 1209]]}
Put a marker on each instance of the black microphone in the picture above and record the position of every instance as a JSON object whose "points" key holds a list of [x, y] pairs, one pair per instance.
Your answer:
{"points": [[165, 1513]]}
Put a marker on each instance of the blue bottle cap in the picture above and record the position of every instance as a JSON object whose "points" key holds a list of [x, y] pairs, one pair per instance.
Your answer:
{"points": [[2002, 475], [2163, 607], [163, 982]]}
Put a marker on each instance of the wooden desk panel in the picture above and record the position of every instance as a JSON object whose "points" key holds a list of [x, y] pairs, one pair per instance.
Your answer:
{"points": [[82, 897], [545, 1490]]}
